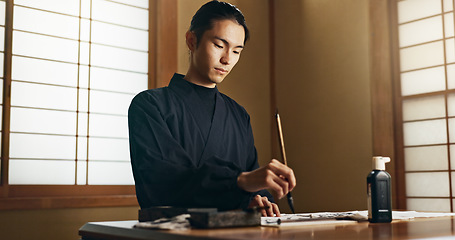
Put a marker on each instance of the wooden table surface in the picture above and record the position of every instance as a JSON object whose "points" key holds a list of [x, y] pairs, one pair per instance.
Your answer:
{"points": [[402, 229]]}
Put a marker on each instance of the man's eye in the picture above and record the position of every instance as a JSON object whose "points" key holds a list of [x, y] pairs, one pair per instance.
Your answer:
{"points": [[218, 46], [237, 52]]}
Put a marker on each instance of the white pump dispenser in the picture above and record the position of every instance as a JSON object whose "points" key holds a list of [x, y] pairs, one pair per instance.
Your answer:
{"points": [[379, 163]]}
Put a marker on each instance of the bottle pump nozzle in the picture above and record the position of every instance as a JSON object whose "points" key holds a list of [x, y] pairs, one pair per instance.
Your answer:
{"points": [[379, 162]]}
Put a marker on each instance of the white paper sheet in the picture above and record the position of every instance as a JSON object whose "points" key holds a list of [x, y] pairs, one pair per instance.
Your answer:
{"points": [[350, 215]]}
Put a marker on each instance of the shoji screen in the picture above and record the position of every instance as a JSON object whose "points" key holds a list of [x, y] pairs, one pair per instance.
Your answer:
{"points": [[2, 45], [427, 59], [76, 65]]}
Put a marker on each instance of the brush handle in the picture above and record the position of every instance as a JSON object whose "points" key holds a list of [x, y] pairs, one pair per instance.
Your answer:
{"points": [[281, 139], [283, 155]]}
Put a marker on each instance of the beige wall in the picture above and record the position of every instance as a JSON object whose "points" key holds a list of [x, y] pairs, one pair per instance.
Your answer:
{"points": [[323, 93]]}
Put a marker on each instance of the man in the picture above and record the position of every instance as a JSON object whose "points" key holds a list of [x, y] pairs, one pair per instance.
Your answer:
{"points": [[192, 146]]}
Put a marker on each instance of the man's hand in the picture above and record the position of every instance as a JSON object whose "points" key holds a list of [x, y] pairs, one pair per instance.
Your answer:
{"points": [[271, 211], [275, 175]]}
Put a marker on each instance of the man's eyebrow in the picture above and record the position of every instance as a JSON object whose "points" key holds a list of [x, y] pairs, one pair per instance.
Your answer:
{"points": [[226, 42]]}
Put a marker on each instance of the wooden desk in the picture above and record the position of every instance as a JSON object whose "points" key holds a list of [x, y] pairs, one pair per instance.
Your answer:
{"points": [[405, 229]]}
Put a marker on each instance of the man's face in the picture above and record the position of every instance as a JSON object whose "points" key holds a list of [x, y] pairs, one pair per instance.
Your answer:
{"points": [[217, 53]]}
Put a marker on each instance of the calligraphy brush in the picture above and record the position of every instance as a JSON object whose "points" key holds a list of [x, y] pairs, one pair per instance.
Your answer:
{"points": [[283, 156]]}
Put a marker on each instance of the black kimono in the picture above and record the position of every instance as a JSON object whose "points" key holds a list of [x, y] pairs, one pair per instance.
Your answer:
{"points": [[180, 158]]}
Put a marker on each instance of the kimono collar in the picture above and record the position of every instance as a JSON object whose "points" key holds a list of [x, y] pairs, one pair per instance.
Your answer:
{"points": [[182, 86], [193, 102]]}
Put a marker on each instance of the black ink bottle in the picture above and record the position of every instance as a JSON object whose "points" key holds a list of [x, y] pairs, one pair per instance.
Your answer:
{"points": [[379, 193]]}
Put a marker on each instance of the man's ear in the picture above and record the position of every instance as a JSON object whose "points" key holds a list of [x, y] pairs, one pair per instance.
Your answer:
{"points": [[191, 40]]}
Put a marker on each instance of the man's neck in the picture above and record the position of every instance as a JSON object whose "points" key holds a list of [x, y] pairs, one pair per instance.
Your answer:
{"points": [[193, 78]]}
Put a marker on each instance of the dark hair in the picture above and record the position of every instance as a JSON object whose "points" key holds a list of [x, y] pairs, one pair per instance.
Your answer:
{"points": [[214, 11]]}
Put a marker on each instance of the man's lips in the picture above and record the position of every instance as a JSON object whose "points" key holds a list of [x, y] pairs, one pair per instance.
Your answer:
{"points": [[221, 70]]}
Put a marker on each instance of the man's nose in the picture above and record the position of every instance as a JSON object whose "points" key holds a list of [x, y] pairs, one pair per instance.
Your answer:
{"points": [[225, 59]]}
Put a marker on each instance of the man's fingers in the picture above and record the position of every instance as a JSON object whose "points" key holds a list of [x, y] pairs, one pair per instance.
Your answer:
{"points": [[276, 187], [275, 176], [272, 208], [280, 169], [269, 209], [276, 210], [278, 184], [268, 204], [258, 199], [292, 180], [284, 185]]}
